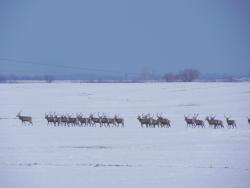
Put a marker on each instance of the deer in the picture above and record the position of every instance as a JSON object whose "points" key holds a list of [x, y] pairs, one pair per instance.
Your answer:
{"points": [[72, 120], [49, 118], [24, 119], [164, 122], [210, 121], [64, 120], [119, 121], [198, 122], [154, 122], [83, 120], [94, 120], [217, 122], [144, 120], [103, 120], [189, 121], [230, 123], [111, 121], [56, 119]]}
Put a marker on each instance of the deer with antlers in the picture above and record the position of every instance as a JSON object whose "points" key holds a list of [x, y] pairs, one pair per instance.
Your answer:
{"points": [[210, 121], [119, 121], [230, 123], [95, 120], [49, 118], [154, 122], [189, 121], [217, 123], [164, 122], [24, 119], [144, 120], [82, 120], [198, 122]]}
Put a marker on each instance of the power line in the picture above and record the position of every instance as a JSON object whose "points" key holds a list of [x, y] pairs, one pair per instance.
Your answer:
{"points": [[65, 66]]}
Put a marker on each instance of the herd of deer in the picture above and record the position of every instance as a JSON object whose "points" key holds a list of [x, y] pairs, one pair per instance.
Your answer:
{"points": [[212, 122], [148, 121], [80, 120]]}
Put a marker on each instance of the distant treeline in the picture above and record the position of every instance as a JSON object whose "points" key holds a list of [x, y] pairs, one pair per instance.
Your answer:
{"points": [[187, 75], [47, 78]]}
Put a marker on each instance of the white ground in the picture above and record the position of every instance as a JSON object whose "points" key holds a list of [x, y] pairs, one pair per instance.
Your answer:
{"points": [[42, 156]]}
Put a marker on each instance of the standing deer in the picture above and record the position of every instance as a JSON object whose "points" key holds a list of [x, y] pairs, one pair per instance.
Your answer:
{"points": [[164, 122], [94, 120], [82, 120], [154, 122], [49, 118], [189, 121], [64, 120], [216, 122], [111, 121], [119, 120], [73, 121], [24, 118], [144, 120], [210, 122], [103, 120], [230, 123], [198, 122]]}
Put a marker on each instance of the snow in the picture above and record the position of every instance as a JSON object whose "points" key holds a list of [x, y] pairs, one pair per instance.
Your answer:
{"points": [[47, 156]]}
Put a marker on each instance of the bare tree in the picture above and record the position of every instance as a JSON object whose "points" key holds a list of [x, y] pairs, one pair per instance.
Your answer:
{"points": [[169, 77], [188, 75]]}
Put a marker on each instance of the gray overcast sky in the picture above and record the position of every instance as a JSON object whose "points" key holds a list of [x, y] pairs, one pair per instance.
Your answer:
{"points": [[169, 35]]}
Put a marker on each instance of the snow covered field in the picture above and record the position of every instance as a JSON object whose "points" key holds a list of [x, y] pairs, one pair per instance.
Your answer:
{"points": [[46, 156]]}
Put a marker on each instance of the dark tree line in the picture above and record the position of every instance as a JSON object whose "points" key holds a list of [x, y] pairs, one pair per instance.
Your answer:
{"points": [[187, 75]]}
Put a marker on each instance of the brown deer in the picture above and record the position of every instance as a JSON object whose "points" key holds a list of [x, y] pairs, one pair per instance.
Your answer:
{"points": [[230, 123], [24, 119]]}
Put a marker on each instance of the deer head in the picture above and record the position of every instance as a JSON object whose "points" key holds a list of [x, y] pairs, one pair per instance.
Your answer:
{"points": [[227, 118]]}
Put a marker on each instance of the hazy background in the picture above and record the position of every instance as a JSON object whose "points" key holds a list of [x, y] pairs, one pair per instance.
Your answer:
{"points": [[123, 38]]}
